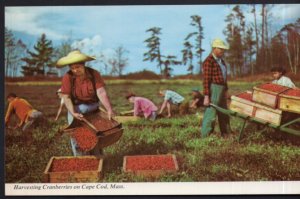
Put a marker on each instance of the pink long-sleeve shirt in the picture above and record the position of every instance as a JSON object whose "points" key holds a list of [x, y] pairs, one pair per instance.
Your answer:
{"points": [[143, 105]]}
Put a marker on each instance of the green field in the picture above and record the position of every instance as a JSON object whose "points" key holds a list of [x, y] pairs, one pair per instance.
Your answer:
{"points": [[265, 156]]}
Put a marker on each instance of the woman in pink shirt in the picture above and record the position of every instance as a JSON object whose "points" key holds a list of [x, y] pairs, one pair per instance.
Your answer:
{"points": [[142, 106]]}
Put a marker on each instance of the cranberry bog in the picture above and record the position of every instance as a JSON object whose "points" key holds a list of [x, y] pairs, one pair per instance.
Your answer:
{"points": [[268, 156], [150, 165]]}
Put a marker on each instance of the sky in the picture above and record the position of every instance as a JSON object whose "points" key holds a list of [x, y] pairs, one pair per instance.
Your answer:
{"points": [[100, 29]]}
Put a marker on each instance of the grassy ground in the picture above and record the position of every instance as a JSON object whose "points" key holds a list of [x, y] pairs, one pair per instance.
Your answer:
{"points": [[259, 156]]}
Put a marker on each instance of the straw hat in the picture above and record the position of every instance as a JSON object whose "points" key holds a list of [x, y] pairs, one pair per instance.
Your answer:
{"points": [[73, 57], [218, 43]]}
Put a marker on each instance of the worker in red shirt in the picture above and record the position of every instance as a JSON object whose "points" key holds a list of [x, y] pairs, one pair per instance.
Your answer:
{"points": [[215, 89], [82, 88], [24, 111]]}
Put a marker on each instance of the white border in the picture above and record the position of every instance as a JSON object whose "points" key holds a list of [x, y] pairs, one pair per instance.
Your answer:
{"points": [[157, 188]]}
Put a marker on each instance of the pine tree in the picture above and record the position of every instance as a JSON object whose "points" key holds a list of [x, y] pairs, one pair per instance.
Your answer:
{"points": [[39, 60], [153, 43], [187, 56], [196, 22], [168, 62]]}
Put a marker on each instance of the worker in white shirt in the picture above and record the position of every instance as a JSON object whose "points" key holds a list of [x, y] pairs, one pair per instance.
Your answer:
{"points": [[280, 78]]}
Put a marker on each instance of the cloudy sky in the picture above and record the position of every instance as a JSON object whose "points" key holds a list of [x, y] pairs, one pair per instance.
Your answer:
{"points": [[97, 29]]}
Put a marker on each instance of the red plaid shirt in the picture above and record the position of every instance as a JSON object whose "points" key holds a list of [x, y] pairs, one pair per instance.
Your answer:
{"points": [[212, 73]]}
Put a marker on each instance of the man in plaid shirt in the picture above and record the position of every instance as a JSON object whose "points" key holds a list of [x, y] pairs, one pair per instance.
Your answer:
{"points": [[215, 89]]}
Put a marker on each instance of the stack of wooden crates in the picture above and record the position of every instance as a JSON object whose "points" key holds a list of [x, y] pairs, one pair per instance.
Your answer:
{"points": [[266, 104]]}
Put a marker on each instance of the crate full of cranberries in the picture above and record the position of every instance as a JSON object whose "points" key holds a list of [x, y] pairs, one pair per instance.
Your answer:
{"points": [[290, 100], [73, 169], [242, 103], [150, 165], [268, 94]]}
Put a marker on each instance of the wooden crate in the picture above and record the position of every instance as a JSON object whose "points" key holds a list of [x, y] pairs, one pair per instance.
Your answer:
{"points": [[242, 106], [150, 172], [266, 97], [289, 103], [256, 110], [267, 114], [73, 176]]}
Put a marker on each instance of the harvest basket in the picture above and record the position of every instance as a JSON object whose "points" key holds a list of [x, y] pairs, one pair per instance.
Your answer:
{"points": [[268, 94], [73, 169], [150, 165], [108, 131], [290, 101]]}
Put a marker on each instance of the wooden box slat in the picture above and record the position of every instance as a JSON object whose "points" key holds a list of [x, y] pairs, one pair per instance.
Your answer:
{"points": [[241, 105], [265, 98], [268, 115]]}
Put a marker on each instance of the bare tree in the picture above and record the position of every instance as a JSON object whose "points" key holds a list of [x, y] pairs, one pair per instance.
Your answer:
{"points": [[122, 60], [119, 61], [255, 28], [249, 49], [14, 52]]}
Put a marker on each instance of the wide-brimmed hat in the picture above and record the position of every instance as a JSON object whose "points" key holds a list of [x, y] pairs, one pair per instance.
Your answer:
{"points": [[218, 43], [73, 57]]}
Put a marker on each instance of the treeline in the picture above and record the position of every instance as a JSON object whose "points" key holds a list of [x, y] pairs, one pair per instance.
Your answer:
{"points": [[42, 59], [253, 46]]}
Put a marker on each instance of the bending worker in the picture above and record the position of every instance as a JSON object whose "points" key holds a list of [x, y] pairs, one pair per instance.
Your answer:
{"points": [[24, 111], [82, 88]]}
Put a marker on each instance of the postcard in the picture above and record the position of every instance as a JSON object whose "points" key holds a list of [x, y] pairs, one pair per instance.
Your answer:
{"points": [[193, 99]]}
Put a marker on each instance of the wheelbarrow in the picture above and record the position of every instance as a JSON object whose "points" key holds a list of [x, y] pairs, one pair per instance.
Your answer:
{"points": [[286, 127], [107, 131]]}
